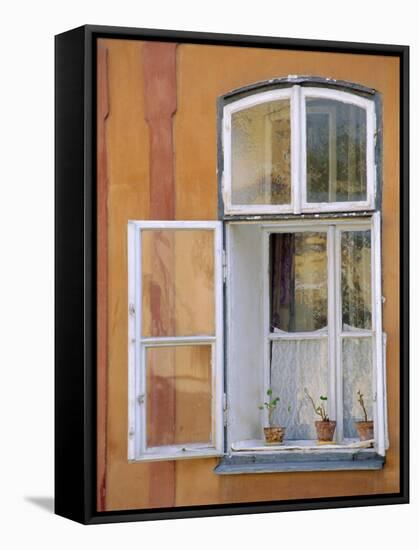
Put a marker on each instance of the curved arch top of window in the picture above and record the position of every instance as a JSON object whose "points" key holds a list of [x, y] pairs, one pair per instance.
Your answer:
{"points": [[298, 148]]}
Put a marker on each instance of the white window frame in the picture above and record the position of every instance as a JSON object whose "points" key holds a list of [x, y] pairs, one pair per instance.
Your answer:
{"points": [[369, 107], [334, 228], [137, 347], [239, 105], [297, 96]]}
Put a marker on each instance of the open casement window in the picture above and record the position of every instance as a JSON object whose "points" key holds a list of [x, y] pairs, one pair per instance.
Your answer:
{"points": [[175, 340], [298, 149], [304, 311]]}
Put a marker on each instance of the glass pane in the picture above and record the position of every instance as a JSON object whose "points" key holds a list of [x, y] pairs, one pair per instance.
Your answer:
{"points": [[357, 375], [336, 151], [179, 395], [295, 365], [298, 281], [177, 281], [261, 154], [356, 279]]}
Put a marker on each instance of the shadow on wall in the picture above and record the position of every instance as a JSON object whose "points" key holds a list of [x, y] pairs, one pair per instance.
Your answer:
{"points": [[46, 503]]}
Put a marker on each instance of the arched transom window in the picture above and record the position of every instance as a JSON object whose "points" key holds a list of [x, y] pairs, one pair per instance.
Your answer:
{"points": [[299, 149]]}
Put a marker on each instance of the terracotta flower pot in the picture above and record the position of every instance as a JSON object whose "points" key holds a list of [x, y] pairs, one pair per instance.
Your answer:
{"points": [[365, 430], [274, 435], [325, 429]]}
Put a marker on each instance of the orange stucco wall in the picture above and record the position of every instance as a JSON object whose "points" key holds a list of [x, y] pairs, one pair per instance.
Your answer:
{"points": [[204, 73]]}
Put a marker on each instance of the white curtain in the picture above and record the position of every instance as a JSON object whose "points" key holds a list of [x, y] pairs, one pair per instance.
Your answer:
{"points": [[295, 365], [357, 375]]}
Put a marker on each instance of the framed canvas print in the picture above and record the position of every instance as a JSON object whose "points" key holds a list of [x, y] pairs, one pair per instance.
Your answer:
{"points": [[231, 274]]}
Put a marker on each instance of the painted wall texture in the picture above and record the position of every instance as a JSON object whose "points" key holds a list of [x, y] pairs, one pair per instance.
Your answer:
{"points": [[157, 158]]}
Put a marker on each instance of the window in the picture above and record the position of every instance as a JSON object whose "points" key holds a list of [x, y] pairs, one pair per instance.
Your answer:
{"points": [[284, 292], [298, 149], [175, 339], [304, 311]]}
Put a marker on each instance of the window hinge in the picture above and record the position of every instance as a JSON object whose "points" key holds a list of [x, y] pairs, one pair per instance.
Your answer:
{"points": [[140, 399], [131, 309], [224, 266], [225, 410]]}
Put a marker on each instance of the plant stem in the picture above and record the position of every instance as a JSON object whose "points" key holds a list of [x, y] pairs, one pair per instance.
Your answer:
{"points": [[361, 402]]}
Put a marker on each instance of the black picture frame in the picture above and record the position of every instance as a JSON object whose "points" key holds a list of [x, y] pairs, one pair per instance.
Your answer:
{"points": [[75, 273]]}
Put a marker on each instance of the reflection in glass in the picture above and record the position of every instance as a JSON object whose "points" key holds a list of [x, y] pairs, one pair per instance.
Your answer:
{"points": [[356, 279], [261, 154], [336, 151], [298, 281], [295, 365], [357, 375], [179, 395], [177, 284]]}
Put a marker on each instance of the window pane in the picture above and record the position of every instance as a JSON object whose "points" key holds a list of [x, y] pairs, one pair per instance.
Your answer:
{"points": [[179, 395], [295, 365], [261, 154], [298, 281], [177, 281], [336, 151], [356, 279], [357, 375]]}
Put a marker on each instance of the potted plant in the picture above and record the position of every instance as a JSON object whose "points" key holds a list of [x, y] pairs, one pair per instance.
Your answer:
{"points": [[325, 427], [365, 427], [273, 434]]}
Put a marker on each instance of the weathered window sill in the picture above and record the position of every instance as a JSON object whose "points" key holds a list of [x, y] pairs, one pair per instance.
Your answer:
{"points": [[304, 445], [292, 459]]}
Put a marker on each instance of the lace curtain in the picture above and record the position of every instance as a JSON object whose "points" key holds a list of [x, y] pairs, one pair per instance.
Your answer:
{"points": [[295, 365]]}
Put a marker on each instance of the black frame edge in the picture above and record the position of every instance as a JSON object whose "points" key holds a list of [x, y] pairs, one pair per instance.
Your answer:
{"points": [[243, 40], [404, 60], [70, 398], [247, 508]]}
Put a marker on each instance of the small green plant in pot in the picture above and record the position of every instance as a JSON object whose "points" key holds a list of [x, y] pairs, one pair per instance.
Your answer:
{"points": [[325, 427], [365, 427], [274, 435]]}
